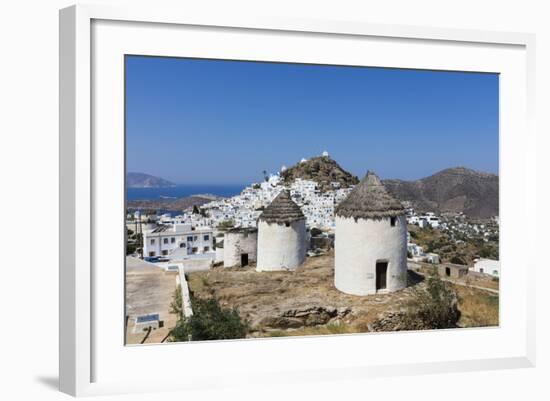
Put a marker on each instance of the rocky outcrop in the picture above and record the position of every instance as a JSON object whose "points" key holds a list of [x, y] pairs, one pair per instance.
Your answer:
{"points": [[418, 318], [306, 316], [394, 321], [323, 170]]}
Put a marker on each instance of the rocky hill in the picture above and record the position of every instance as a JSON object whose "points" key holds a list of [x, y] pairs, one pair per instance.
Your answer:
{"points": [[322, 170], [142, 180], [456, 189]]}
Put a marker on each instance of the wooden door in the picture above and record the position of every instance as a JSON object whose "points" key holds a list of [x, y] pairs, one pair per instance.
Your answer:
{"points": [[381, 275]]}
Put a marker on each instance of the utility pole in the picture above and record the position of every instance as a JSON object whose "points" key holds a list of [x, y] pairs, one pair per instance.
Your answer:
{"points": [[136, 231], [141, 235]]}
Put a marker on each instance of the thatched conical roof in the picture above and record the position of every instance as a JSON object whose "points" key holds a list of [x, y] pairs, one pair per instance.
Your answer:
{"points": [[282, 210], [370, 199]]}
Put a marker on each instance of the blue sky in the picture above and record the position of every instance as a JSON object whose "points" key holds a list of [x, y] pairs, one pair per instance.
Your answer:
{"points": [[224, 122]]}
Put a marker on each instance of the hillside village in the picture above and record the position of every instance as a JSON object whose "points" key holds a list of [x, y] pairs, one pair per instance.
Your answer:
{"points": [[227, 234]]}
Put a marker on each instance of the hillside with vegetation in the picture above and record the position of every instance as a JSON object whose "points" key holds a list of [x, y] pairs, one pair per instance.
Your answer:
{"points": [[323, 170], [453, 190], [461, 251]]}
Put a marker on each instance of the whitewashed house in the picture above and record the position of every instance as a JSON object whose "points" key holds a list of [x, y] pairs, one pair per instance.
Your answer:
{"points": [[487, 266], [429, 219], [415, 250], [166, 239]]}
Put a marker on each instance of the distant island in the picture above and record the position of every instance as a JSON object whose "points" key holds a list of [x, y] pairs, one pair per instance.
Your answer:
{"points": [[142, 180]]}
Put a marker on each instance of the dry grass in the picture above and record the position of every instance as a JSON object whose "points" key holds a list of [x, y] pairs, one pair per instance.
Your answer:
{"points": [[478, 308], [258, 296], [470, 279], [273, 294]]}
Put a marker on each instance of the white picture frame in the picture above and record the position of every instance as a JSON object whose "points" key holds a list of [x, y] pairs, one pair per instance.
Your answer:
{"points": [[90, 36]]}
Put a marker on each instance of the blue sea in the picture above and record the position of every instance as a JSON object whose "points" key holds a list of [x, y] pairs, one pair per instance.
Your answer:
{"points": [[182, 191]]}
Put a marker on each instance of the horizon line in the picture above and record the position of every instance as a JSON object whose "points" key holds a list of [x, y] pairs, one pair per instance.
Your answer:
{"points": [[259, 181]]}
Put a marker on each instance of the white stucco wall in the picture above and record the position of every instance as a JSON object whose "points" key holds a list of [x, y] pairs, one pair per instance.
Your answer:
{"points": [[487, 266], [281, 247], [219, 255], [155, 242], [359, 245], [237, 243], [185, 296]]}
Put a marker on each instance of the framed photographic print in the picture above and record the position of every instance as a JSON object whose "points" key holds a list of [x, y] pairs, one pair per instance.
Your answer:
{"points": [[294, 200]]}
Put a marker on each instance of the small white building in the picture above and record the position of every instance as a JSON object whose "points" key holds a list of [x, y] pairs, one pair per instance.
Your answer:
{"points": [[165, 239], [218, 241], [240, 247], [282, 236], [370, 240], [433, 258], [429, 219], [415, 250], [487, 266]]}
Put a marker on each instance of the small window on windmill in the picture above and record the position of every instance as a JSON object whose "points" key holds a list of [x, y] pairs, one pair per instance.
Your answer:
{"points": [[287, 224], [392, 221]]}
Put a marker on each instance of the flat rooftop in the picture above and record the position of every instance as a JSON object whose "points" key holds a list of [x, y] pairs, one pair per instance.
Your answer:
{"points": [[149, 291]]}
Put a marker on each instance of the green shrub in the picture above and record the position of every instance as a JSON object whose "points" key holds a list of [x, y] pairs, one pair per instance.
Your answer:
{"points": [[209, 322], [315, 232], [457, 260], [226, 224], [176, 306], [434, 306]]}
